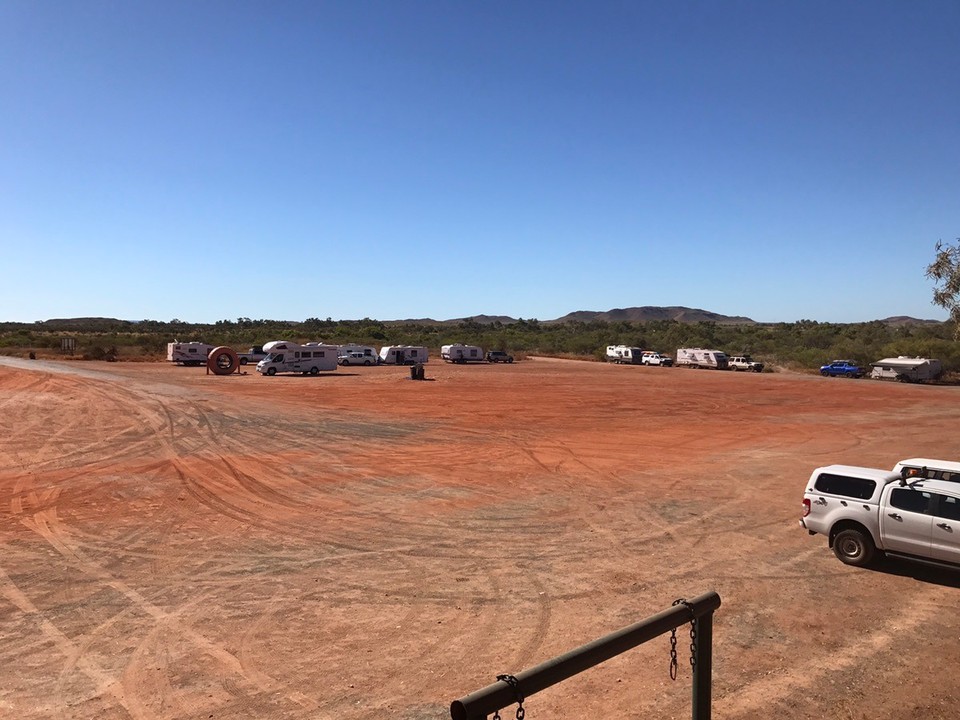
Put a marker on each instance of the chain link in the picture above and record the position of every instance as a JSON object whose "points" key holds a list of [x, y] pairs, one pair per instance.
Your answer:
{"points": [[693, 640], [515, 684]]}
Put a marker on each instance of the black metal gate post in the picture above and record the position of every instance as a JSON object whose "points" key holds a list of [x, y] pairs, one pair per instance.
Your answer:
{"points": [[478, 705], [703, 667]]}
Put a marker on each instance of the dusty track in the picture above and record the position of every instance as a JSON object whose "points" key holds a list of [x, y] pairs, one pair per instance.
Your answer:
{"points": [[359, 545]]}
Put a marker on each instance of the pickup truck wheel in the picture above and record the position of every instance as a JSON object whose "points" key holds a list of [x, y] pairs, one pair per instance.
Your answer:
{"points": [[825, 373], [243, 361], [853, 547]]}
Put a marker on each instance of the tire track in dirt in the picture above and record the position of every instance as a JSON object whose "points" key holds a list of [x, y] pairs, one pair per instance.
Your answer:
{"points": [[764, 694]]}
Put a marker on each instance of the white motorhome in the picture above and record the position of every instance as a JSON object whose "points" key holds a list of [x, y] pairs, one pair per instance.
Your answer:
{"points": [[403, 354], [358, 355], [907, 369], [285, 356], [188, 353], [701, 358], [624, 354], [460, 353]]}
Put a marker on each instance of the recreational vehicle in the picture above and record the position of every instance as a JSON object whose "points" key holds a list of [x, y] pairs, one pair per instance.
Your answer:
{"points": [[188, 353], [358, 355], [284, 356], [460, 353], [700, 358], [403, 354], [907, 369], [624, 354]]}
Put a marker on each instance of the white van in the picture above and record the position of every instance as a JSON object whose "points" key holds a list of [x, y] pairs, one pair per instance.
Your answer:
{"points": [[285, 356]]}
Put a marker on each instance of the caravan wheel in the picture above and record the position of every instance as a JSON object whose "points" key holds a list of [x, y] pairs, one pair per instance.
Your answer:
{"points": [[314, 370], [271, 371]]}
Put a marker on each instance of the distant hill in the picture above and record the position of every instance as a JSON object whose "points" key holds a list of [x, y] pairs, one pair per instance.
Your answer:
{"points": [[907, 320], [648, 313]]}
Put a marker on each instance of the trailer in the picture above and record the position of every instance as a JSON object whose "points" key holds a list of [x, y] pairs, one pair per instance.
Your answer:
{"points": [[701, 358], [907, 369], [188, 353], [624, 354], [358, 355], [460, 353], [403, 354], [309, 359]]}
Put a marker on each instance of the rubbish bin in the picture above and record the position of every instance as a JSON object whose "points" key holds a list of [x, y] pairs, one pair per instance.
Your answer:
{"points": [[420, 371], [413, 372]]}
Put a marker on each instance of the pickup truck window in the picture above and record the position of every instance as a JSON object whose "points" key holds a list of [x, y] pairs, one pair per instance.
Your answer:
{"points": [[911, 500], [949, 508], [843, 485]]}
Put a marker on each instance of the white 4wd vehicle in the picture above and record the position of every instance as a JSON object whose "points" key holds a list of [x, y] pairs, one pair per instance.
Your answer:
{"points": [[655, 358], [863, 511], [744, 362]]}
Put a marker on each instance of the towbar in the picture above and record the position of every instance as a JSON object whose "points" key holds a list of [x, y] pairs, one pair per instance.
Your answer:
{"points": [[478, 705]]}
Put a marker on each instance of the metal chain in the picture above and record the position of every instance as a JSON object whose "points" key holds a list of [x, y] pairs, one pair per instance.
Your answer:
{"points": [[673, 653], [693, 640], [515, 684]]}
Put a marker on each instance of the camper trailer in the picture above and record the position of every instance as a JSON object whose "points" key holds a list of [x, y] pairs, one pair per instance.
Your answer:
{"points": [[310, 359], [188, 353], [907, 369], [460, 353], [403, 354], [624, 354], [358, 355], [700, 358]]}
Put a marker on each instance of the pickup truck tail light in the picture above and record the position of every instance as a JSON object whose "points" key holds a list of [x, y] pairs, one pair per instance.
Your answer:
{"points": [[806, 506]]}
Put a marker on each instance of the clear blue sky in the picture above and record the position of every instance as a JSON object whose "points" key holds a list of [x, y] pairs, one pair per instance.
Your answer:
{"points": [[284, 160]]}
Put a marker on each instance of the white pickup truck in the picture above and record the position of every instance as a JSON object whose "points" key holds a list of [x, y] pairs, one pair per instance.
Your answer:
{"points": [[865, 511]]}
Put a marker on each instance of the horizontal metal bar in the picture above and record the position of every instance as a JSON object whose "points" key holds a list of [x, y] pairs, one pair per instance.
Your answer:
{"points": [[481, 703]]}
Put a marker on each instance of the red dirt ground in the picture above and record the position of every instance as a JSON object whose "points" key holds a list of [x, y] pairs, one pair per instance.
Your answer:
{"points": [[361, 545]]}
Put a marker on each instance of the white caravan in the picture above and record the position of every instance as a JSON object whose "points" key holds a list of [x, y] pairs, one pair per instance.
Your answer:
{"points": [[907, 369], [403, 354], [286, 356], [358, 355], [188, 353], [624, 354], [700, 358], [460, 353]]}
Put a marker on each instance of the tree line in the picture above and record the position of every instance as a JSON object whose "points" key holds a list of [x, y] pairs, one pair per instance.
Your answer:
{"points": [[805, 344]]}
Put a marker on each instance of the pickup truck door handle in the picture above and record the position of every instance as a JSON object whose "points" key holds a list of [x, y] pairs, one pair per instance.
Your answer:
{"points": [[944, 526], [895, 516]]}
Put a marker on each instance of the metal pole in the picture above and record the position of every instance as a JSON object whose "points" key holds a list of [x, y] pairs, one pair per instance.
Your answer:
{"points": [[703, 668], [481, 703]]}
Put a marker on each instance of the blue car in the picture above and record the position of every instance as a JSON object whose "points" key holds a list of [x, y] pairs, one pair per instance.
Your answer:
{"points": [[842, 368]]}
